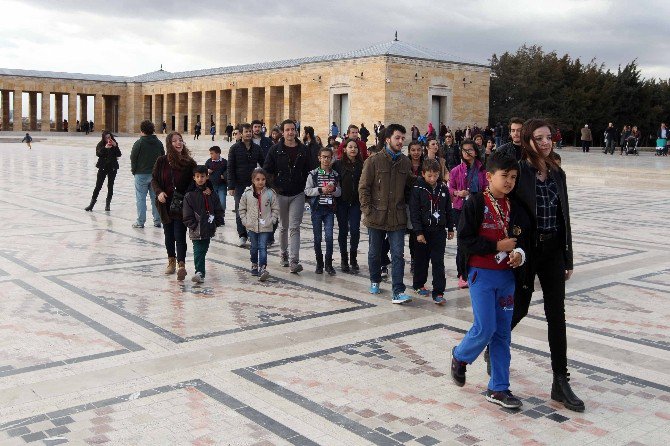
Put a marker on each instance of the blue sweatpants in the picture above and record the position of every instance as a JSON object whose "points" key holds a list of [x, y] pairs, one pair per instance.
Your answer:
{"points": [[492, 296]]}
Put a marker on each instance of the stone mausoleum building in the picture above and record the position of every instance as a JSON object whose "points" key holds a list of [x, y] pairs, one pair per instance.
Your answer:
{"points": [[389, 82]]}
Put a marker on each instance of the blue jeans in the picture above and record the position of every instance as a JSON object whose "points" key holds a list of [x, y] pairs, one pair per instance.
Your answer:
{"points": [[397, 243], [492, 296], [323, 220], [259, 249], [142, 186], [348, 222], [222, 192]]}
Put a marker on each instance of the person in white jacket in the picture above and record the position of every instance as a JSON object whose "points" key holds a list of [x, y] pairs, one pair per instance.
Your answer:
{"points": [[259, 211]]}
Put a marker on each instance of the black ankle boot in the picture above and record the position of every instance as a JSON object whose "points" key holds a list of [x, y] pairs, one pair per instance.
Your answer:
{"points": [[354, 264], [319, 265], [562, 392], [89, 208], [329, 267], [107, 203], [344, 263]]}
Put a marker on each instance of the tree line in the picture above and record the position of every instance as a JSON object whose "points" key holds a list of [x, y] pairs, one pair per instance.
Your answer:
{"points": [[570, 93]]}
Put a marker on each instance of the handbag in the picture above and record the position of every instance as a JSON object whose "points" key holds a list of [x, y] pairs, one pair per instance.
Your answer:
{"points": [[177, 200]]}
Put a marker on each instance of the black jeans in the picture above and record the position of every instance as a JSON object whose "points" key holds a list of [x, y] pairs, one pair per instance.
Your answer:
{"points": [[175, 234], [102, 174], [432, 250], [549, 266], [456, 215]]}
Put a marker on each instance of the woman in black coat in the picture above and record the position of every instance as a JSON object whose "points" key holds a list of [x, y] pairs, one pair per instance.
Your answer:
{"points": [[542, 189], [108, 153]]}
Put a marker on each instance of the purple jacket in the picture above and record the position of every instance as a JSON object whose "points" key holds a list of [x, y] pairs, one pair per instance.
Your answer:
{"points": [[458, 180]]}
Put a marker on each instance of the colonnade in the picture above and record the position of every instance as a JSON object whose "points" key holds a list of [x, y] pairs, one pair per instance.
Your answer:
{"points": [[181, 111], [106, 110]]}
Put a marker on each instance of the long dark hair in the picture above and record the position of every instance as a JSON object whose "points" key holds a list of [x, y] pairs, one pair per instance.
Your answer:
{"points": [[359, 155], [176, 159], [528, 153], [103, 141]]}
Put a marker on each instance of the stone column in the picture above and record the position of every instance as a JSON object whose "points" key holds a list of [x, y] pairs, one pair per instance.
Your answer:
{"points": [[251, 101], [18, 111], [58, 115], [287, 103], [267, 111], [32, 111], [190, 107], [98, 113], [204, 117], [83, 108], [72, 112], [5, 110], [218, 112], [46, 111], [233, 107]]}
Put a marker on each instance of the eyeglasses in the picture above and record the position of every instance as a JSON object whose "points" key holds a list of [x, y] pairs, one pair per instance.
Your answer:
{"points": [[468, 150], [326, 157]]}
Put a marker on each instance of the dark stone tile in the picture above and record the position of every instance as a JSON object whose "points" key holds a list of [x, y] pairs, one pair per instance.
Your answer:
{"points": [[597, 378], [557, 417], [544, 409], [427, 441], [62, 421], [57, 431], [17, 432], [534, 400], [403, 437], [55, 441], [36, 436], [533, 414], [381, 430]]}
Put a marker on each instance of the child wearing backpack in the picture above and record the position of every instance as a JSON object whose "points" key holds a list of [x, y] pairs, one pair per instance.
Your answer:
{"points": [[323, 187], [259, 212]]}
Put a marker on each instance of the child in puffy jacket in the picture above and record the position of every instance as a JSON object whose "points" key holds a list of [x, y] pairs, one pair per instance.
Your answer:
{"points": [[259, 212]]}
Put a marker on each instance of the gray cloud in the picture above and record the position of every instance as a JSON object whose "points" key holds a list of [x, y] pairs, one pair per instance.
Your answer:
{"points": [[139, 36]]}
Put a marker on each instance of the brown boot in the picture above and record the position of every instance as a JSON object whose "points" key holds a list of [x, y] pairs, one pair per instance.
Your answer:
{"points": [[171, 266], [181, 271]]}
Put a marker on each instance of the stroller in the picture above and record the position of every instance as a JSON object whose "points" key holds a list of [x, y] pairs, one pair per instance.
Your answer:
{"points": [[631, 146]]}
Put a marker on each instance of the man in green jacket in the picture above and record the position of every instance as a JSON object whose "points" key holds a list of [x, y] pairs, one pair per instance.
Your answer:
{"points": [[146, 151], [384, 185]]}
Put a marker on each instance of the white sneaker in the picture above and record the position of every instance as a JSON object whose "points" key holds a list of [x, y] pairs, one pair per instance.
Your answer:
{"points": [[197, 278], [243, 241]]}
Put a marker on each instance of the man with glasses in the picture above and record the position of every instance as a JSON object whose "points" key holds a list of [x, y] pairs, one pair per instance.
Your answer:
{"points": [[513, 148]]}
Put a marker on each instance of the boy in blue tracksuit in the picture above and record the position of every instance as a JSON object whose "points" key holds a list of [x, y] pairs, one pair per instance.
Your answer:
{"points": [[430, 214], [492, 233]]}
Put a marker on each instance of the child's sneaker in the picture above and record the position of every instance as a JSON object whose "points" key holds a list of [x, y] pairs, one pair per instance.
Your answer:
{"points": [[254, 270], [422, 291], [503, 398], [458, 370], [462, 283], [400, 298], [374, 288], [263, 274], [439, 299], [197, 278]]}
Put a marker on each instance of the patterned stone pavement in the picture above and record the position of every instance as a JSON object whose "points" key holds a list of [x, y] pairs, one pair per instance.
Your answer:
{"points": [[97, 346]]}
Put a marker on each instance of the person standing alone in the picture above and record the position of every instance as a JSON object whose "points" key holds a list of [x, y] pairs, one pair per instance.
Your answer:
{"points": [[143, 156]]}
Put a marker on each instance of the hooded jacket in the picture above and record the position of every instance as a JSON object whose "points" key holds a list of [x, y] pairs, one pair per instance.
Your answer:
{"points": [[252, 210]]}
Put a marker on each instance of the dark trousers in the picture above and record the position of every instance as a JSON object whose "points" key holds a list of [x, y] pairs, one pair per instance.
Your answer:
{"points": [[433, 250], [549, 266], [456, 215], [175, 235], [586, 145], [348, 222], [111, 176], [412, 244], [241, 230], [200, 248]]}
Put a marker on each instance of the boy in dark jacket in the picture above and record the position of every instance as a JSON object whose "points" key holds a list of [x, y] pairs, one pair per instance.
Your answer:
{"points": [[216, 168], [493, 234], [430, 213], [202, 214]]}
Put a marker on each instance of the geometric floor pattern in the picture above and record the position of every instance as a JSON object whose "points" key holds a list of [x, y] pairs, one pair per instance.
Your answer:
{"points": [[98, 346]]}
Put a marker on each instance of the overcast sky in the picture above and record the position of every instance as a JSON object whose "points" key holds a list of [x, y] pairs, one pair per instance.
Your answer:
{"points": [[124, 37]]}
